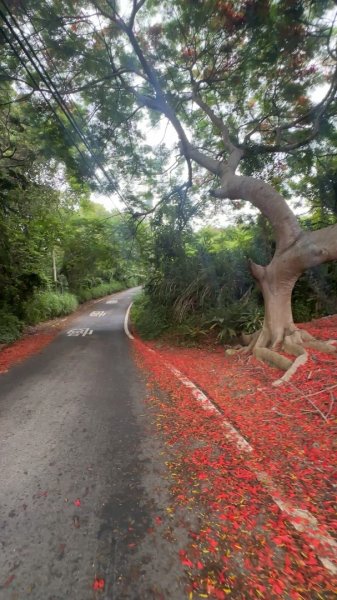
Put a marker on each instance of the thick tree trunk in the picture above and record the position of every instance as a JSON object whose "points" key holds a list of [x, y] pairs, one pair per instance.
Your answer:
{"points": [[276, 282], [296, 251], [279, 331], [278, 318]]}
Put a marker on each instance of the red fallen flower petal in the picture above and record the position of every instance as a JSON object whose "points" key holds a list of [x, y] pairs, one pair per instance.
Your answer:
{"points": [[23, 348], [187, 562], [184, 560], [219, 594], [282, 539], [278, 587], [99, 584]]}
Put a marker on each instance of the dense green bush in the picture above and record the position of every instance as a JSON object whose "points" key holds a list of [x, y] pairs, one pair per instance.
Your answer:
{"points": [[44, 305], [315, 293], [150, 320], [10, 327], [48, 305], [202, 285], [104, 289]]}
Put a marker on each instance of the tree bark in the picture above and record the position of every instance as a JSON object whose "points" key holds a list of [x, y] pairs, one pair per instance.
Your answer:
{"points": [[296, 251], [277, 281], [276, 284]]}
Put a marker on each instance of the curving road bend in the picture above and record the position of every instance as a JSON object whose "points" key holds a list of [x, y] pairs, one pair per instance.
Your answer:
{"points": [[81, 478]]}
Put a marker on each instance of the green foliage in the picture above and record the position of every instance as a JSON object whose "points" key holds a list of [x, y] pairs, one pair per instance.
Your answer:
{"points": [[51, 236], [98, 248], [43, 234], [98, 291], [315, 293], [150, 319], [201, 286], [256, 59], [48, 305], [10, 327]]}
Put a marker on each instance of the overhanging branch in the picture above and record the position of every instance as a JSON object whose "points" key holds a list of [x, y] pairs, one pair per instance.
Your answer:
{"points": [[235, 152], [315, 115]]}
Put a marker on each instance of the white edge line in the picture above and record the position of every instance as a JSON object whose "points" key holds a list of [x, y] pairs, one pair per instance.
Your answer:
{"points": [[126, 323], [302, 520]]}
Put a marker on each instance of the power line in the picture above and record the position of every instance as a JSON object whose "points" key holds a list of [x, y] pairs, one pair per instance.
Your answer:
{"points": [[40, 69], [42, 72], [35, 82]]}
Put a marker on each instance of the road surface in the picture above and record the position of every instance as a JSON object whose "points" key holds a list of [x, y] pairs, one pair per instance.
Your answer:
{"points": [[81, 478]]}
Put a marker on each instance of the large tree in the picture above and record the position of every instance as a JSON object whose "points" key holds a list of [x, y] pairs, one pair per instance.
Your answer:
{"points": [[237, 82]]}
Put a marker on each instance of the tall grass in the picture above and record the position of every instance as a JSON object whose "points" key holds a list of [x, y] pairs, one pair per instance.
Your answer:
{"points": [[104, 289], [48, 305], [150, 320], [44, 305]]}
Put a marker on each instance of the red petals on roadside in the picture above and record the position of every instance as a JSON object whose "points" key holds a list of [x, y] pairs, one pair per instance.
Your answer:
{"points": [[23, 348], [244, 546], [278, 587], [184, 560], [98, 585]]}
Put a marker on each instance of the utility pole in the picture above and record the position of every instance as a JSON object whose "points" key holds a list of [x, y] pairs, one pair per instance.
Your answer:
{"points": [[54, 267]]}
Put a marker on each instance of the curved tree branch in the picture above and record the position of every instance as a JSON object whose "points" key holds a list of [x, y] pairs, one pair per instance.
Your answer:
{"points": [[136, 6], [207, 162], [271, 204], [235, 153], [315, 115]]}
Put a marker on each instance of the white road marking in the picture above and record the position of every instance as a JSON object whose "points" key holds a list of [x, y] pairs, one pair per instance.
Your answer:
{"points": [[317, 536], [231, 433], [112, 302], [126, 323], [79, 332], [97, 313]]}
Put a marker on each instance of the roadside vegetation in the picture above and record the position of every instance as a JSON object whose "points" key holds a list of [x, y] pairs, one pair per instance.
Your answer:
{"points": [[57, 248], [57, 255], [199, 286]]}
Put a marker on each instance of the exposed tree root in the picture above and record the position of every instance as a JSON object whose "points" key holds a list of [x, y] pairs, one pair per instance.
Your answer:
{"points": [[321, 346], [293, 342], [298, 362], [273, 358], [249, 340]]}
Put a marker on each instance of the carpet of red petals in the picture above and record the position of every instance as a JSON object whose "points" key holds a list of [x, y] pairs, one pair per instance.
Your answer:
{"points": [[244, 546], [31, 344]]}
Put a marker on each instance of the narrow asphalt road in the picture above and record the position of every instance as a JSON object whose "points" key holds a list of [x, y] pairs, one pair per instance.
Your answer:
{"points": [[81, 478]]}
